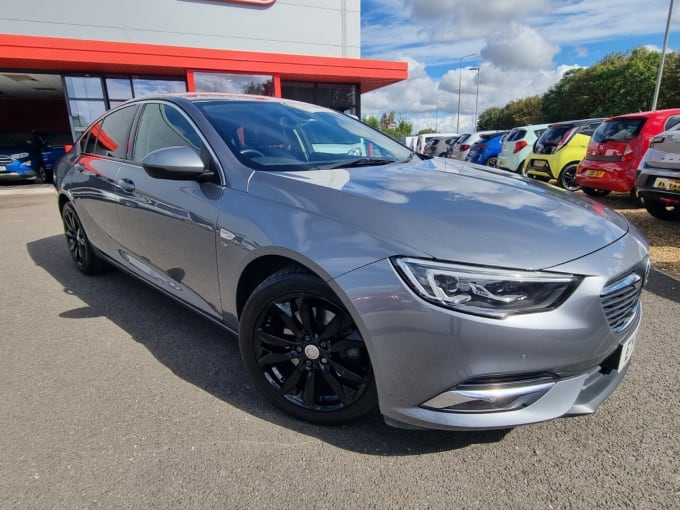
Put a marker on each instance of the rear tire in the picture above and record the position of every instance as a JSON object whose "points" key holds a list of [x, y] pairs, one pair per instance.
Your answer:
{"points": [[492, 162], [567, 178], [661, 210], [82, 252]]}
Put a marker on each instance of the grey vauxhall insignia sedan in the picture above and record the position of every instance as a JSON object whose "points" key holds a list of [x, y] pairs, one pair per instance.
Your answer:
{"points": [[358, 274]]}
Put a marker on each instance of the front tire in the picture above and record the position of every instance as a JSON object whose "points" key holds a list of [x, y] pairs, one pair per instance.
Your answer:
{"points": [[304, 351], [82, 252], [567, 178], [661, 210]]}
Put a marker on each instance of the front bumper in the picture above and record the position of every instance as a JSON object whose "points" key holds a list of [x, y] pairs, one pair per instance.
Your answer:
{"points": [[423, 354], [9, 175]]}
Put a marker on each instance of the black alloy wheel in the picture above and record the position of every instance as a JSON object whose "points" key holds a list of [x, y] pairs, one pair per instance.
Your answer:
{"points": [[662, 210], [304, 351], [44, 175], [79, 246], [492, 162], [567, 178]]}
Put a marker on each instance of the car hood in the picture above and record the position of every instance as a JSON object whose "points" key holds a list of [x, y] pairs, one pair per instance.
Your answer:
{"points": [[451, 210]]}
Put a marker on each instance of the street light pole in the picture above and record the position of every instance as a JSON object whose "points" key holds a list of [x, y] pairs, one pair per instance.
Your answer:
{"points": [[657, 88], [460, 78], [478, 69]]}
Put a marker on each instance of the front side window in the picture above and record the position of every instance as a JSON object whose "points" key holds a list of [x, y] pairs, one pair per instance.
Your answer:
{"points": [[162, 125]]}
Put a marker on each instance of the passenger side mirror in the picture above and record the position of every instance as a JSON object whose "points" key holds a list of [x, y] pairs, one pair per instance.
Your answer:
{"points": [[175, 163]]}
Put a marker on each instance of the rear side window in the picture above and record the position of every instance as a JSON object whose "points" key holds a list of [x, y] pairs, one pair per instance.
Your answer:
{"points": [[110, 136], [622, 130], [515, 135]]}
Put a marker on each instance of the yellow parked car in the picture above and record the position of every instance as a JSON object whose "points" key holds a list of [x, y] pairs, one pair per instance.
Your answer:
{"points": [[559, 150]]}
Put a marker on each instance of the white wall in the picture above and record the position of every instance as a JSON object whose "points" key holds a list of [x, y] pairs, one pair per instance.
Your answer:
{"points": [[329, 28]]}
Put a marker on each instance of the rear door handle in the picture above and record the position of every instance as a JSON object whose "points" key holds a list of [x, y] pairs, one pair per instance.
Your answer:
{"points": [[126, 185]]}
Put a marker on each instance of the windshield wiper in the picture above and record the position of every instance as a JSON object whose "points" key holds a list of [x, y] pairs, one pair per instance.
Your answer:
{"points": [[363, 162]]}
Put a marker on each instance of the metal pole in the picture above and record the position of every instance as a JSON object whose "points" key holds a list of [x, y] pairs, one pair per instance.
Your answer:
{"points": [[460, 78], [657, 88], [474, 125]]}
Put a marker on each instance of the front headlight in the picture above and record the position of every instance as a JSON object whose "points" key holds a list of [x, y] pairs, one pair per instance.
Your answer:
{"points": [[490, 292]]}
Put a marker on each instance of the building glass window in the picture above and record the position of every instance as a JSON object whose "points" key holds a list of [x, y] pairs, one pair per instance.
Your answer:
{"points": [[343, 97], [146, 87], [90, 96], [119, 89], [261, 85]]}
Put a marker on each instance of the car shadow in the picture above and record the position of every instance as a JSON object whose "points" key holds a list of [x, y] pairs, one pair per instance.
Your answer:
{"points": [[207, 356], [663, 285]]}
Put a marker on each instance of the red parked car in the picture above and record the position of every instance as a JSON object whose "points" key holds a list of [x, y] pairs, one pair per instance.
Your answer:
{"points": [[616, 148]]}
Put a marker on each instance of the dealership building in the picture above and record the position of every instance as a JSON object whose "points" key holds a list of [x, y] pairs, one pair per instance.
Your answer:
{"points": [[64, 63]]}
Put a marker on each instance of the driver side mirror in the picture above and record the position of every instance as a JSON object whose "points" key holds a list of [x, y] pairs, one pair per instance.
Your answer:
{"points": [[175, 163]]}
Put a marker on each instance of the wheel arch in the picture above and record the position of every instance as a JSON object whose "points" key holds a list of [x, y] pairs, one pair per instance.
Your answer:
{"points": [[263, 266]]}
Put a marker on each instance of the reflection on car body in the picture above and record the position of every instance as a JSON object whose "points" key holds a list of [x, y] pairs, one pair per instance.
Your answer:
{"points": [[360, 278]]}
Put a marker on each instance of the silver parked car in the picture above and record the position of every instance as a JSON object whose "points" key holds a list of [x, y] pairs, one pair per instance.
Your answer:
{"points": [[358, 274], [658, 177]]}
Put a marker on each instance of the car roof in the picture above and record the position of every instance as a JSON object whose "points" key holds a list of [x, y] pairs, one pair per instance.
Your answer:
{"points": [[574, 123], [638, 115]]}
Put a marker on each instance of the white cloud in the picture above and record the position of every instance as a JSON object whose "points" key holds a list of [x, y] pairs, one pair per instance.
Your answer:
{"points": [[517, 45]]}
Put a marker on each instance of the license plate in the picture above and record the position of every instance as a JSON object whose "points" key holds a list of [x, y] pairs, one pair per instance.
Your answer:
{"points": [[538, 163], [669, 184], [594, 173], [627, 351]]}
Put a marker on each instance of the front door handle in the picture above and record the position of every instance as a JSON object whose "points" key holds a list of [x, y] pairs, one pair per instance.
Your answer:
{"points": [[126, 185]]}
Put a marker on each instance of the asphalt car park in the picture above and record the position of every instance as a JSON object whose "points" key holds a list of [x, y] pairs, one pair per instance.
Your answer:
{"points": [[114, 396]]}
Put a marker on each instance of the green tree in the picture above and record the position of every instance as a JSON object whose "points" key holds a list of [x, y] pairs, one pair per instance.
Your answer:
{"points": [[391, 125], [516, 113]]}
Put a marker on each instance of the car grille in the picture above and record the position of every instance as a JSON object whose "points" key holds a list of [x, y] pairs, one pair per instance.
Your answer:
{"points": [[621, 299], [6, 160]]}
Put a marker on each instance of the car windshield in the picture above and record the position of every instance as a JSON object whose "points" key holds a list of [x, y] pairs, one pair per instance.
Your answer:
{"points": [[285, 136], [622, 130], [515, 134], [14, 139]]}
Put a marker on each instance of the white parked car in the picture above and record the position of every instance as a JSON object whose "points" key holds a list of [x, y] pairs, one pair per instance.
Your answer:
{"points": [[518, 145]]}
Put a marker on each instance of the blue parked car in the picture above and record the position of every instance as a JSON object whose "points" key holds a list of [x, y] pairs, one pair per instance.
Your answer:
{"points": [[16, 147], [486, 150]]}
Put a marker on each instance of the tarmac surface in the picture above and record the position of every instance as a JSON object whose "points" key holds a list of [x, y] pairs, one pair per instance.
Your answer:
{"points": [[114, 396]]}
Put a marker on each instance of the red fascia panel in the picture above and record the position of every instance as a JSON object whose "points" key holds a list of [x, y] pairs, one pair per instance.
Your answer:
{"points": [[78, 55]]}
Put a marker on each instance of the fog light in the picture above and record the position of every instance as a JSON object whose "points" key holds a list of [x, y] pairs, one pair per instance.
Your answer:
{"points": [[478, 398]]}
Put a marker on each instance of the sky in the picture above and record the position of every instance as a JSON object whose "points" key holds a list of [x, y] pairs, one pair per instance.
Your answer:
{"points": [[496, 51]]}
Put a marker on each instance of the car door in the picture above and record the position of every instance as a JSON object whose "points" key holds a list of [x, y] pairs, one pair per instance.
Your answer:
{"points": [[92, 182], [168, 226]]}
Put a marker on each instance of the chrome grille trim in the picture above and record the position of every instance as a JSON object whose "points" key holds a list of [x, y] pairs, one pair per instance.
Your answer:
{"points": [[6, 160], [621, 301]]}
